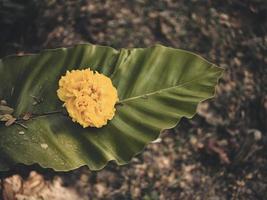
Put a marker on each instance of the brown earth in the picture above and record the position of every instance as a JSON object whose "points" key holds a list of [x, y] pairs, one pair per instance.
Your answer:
{"points": [[220, 154]]}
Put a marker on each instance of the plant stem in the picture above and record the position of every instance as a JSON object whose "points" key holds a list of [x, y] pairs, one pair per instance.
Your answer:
{"points": [[48, 113], [35, 115]]}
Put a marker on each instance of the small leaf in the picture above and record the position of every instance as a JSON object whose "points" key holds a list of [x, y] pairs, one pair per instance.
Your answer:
{"points": [[10, 122], [26, 116], [5, 117], [5, 110], [3, 102]]}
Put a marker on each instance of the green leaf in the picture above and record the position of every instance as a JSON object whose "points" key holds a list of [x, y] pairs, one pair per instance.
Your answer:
{"points": [[157, 86]]}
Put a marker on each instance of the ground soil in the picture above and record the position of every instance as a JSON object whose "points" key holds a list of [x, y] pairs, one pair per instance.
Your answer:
{"points": [[219, 154]]}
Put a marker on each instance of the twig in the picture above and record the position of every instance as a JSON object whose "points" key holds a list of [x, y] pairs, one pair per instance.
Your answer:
{"points": [[20, 124], [35, 115], [48, 113]]}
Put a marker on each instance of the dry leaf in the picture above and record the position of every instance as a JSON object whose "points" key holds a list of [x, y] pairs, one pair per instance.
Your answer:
{"points": [[27, 116], [3, 102], [5, 110], [5, 117], [10, 122]]}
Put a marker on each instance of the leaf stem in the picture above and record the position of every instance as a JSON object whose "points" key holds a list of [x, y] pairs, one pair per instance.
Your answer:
{"points": [[35, 115], [47, 113]]}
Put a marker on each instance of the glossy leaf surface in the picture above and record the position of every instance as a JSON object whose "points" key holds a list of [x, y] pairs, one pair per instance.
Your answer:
{"points": [[156, 86]]}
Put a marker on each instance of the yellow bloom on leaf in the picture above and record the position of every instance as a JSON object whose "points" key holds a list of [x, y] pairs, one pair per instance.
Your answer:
{"points": [[88, 96]]}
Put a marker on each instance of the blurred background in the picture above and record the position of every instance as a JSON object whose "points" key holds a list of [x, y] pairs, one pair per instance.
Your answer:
{"points": [[220, 154]]}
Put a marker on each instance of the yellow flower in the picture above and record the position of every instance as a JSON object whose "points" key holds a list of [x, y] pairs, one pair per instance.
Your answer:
{"points": [[88, 96]]}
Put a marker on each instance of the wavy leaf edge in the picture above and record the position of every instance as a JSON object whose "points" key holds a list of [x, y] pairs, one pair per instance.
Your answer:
{"points": [[145, 144]]}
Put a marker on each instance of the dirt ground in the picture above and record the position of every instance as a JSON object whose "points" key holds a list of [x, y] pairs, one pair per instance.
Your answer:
{"points": [[220, 154]]}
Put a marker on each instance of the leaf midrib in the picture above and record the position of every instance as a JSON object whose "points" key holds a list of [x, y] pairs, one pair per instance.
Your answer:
{"points": [[163, 90]]}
